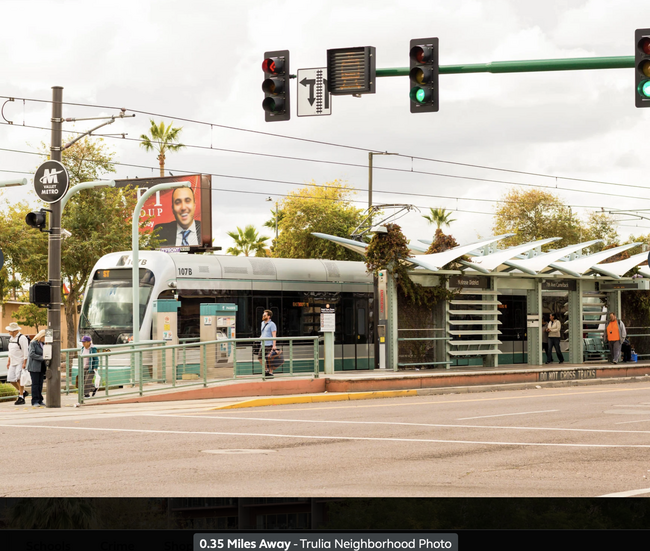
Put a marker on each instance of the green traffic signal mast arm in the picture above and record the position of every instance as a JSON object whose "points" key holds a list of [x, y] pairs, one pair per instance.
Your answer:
{"points": [[525, 66]]}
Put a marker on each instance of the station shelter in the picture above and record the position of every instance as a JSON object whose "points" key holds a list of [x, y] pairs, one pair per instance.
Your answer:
{"points": [[501, 302]]}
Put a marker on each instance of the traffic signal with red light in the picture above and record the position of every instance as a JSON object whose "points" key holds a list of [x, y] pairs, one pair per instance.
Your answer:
{"points": [[276, 102], [642, 67], [423, 75]]}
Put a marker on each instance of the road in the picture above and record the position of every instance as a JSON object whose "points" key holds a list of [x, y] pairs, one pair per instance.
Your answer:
{"points": [[589, 441]]}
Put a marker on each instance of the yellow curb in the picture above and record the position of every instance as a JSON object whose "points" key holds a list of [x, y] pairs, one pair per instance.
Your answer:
{"points": [[338, 397]]}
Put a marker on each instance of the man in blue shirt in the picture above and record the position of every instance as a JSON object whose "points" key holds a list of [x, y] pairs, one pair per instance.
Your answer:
{"points": [[269, 330]]}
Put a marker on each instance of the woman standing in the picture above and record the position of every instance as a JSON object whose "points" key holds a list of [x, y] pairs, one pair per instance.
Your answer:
{"points": [[553, 328], [36, 367]]}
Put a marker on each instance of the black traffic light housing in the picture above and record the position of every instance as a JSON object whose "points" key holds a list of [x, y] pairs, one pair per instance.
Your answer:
{"points": [[423, 76], [276, 104], [37, 220], [40, 294], [642, 67]]}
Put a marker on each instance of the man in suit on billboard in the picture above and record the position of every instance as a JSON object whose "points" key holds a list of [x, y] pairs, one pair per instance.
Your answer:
{"points": [[184, 230]]}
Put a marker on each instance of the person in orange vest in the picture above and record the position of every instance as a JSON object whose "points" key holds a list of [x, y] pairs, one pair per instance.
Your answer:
{"points": [[615, 334]]}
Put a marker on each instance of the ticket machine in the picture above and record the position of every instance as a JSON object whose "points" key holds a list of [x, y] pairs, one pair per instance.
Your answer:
{"points": [[218, 322], [165, 324]]}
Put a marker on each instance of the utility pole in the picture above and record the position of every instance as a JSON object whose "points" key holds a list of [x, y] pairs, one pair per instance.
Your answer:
{"points": [[53, 376]]}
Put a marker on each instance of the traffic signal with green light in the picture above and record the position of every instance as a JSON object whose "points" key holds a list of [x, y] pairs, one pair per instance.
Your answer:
{"points": [[276, 102], [423, 75], [642, 67]]}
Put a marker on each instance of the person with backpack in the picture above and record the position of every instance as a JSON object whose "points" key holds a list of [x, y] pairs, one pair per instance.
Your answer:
{"points": [[90, 365], [17, 360], [615, 334]]}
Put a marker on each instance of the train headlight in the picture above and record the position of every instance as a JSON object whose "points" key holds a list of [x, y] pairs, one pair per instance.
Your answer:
{"points": [[124, 338]]}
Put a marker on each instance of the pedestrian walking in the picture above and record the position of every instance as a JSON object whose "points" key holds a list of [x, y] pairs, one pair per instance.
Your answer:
{"points": [[89, 365], [17, 360], [553, 329], [615, 334], [37, 368], [269, 330]]}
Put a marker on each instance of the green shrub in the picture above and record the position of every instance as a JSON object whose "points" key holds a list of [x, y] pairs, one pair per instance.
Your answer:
{"points": [[7, 391]]}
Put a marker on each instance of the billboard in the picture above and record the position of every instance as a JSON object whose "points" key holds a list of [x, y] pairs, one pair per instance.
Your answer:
{"points": [[182, 216]]}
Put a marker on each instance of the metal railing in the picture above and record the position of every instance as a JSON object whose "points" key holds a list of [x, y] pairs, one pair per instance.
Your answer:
{"points": [[188, 364], [421, 339]]}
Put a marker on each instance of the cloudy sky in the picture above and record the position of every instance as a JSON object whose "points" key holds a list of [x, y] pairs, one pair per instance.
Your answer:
{"points": [[198, 63]]}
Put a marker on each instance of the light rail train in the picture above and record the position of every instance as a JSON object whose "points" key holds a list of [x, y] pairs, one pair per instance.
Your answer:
{"points": [[294, 290]]}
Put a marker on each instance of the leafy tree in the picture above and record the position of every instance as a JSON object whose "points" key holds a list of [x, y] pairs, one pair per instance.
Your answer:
{"points": [[247, 241], [535, 214], [439, 217], [162, 139], [316, 208], [600, 225], [31, 315], [98, 219]]}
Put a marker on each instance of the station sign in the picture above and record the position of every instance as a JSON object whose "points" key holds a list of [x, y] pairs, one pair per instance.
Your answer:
{"points": [[328, 319], [472, 282], [51, 181], [559, 285]]}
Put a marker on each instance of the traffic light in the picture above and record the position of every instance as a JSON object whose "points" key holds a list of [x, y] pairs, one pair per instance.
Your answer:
{"points": [[40, 293], [276, 102], [642, 67], [424, 75], [37, 220]]}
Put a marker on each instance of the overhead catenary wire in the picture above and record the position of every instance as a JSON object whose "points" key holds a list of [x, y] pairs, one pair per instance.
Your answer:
{"points": [[332, 144]]}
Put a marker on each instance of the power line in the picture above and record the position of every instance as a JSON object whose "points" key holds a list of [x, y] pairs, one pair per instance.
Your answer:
{"points": [[345, 146]]}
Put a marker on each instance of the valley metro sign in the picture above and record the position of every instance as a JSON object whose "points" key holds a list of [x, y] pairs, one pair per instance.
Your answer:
{"points": [[51, 181]]}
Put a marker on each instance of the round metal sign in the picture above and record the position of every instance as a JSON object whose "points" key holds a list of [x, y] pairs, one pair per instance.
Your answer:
{"points": [[51, 181]]}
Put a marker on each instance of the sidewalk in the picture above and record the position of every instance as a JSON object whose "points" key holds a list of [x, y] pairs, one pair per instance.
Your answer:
{"points": [[379, 383]]}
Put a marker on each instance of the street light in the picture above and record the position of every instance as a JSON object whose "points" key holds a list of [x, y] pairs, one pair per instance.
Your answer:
{"points": [[13, 183], [135, 272], [276, 217], [86, 185]]}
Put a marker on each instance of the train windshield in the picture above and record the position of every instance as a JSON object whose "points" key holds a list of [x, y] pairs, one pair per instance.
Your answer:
{"points": [[109, 304]]}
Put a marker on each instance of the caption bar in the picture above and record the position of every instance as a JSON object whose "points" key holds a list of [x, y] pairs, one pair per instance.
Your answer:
{"points": [[320, 541]]}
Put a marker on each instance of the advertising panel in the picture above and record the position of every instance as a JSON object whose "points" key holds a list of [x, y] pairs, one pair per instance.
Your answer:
{"points": [[182, 216]]}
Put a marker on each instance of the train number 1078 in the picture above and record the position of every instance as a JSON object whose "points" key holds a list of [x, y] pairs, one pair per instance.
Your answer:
{"points": [[185, 271]]}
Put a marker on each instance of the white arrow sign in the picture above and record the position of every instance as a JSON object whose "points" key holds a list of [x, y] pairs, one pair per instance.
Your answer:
{"points": [[313, 95]]}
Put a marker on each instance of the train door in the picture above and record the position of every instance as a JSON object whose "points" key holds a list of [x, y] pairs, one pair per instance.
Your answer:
{"points": [[357, 351], [514, 339]]}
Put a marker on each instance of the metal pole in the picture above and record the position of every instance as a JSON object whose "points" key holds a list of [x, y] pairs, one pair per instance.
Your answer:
{"points": [[53, 375], [135, 272], [525, 66], [370, 154], [276, 221]]}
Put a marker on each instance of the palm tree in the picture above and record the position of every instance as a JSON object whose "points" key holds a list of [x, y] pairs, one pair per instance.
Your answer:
{"points": [[439, 217], [247, 241], [162, 139]]}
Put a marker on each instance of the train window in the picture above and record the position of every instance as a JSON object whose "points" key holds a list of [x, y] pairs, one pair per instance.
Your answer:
{"points": [[349, 321], [361, 321]]}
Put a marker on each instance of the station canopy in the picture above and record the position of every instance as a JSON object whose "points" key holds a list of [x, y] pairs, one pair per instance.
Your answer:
{"points": [[486, 258]]}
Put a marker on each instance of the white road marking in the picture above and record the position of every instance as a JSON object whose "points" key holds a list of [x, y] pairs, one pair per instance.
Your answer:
{"points": [[629, 493], [635, 421], [507, 414], [396, 423], [348, 438]]}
